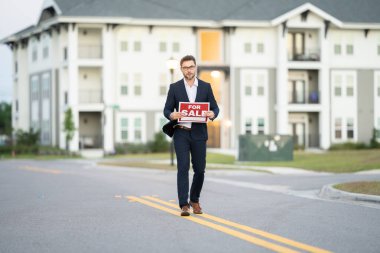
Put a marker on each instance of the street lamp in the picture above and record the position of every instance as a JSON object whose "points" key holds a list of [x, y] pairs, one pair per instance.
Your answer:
{"points": [[171, 64]]}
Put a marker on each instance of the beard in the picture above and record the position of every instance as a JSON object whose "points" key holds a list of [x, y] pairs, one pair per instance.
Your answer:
{"points": [[189, 76]]}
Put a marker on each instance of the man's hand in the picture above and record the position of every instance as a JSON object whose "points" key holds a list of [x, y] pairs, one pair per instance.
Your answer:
{"points": [[175, 115], [210, 114]]}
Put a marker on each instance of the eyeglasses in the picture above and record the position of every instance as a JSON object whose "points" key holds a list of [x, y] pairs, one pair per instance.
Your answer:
{"points": [[192, 67]]}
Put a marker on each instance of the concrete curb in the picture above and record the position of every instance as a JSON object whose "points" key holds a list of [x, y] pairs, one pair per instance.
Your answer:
{"points": [[329, 192]]}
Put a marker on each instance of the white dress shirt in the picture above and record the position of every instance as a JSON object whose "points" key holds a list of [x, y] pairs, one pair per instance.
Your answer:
{"points": [[191, 94]]}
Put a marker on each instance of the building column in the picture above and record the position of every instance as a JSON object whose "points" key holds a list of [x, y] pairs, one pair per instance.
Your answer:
{"points": [[109, 88], [324, 88], [282, 82], [73, 82]]}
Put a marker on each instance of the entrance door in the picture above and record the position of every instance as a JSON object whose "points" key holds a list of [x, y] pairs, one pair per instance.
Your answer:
{"points": [[298, 132], [215, 79]]}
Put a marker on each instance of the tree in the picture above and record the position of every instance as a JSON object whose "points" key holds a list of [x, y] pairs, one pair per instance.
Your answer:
{"points": [[68, 127], [5, 119]]}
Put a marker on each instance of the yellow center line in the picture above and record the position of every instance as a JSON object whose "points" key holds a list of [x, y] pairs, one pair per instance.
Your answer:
{"points": [[40, 170], [249, 229], [240, 235]]}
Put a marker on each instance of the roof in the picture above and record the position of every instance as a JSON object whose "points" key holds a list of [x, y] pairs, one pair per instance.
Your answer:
{"points": [[363, 12], [352, 11]]}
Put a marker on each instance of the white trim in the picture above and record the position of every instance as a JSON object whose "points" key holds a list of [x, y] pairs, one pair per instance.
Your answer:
{"points": [[302, 8], [136, 21]]}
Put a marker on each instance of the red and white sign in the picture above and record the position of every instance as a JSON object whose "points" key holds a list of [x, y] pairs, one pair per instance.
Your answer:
{"points": [[194, 112]]}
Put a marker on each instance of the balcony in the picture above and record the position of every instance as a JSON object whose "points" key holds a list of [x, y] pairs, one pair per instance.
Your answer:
{"points": [[303, 45], [301, 97], [308, 54], [89, 51], [90, 96]]}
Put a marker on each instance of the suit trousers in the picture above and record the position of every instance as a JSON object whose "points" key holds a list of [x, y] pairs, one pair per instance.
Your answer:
{"points": [[185, 145]]}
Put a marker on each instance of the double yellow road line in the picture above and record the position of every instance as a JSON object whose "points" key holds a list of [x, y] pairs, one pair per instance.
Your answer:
{"points": [[205, 220]]}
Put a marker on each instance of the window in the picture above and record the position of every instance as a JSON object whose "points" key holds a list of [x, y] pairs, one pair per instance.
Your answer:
{"points": [[45, 87], [337, 49], [137, 46], [35, 89], [162, 90], [247, 48], [16, 105], [338, 128], [137, 81], [45, 52], [34, 54], [338, 86], [350, 49], [248, 90], [66, 98], [16, 67], [350, 128], [378, 49], [65, 53], [260, 126], [210, 46], [163, 84], [260, 90], [175, 47], [260, 85], [124, 129], [260, 48], [124, 46], [378, 91], [350, 85], [248, 125], [138, 129], [124, 84], [162, 46], [124, 90], [162, 122]]}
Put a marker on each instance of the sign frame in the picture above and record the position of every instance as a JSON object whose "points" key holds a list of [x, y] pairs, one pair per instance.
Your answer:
{"points": [[205, 106]]}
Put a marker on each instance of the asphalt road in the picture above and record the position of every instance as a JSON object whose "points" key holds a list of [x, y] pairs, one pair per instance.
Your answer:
{"points": [[78, 206]]}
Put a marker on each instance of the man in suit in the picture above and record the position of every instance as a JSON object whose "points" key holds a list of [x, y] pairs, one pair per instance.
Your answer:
{"points": [[189, 138]]}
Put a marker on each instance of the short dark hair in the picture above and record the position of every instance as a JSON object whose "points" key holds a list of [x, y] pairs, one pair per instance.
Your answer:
{"points": [[188, 58]]}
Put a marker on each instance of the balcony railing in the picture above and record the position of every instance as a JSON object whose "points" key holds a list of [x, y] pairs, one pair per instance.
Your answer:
{"points": [[296, 97], [90, 51], [90, 141], [310, 54], [90, 96]]}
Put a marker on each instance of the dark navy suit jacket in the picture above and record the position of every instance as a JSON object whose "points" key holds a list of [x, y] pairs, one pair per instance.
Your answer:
{"points": [[177, 93]]}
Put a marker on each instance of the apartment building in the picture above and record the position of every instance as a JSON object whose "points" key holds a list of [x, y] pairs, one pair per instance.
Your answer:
{"points": [[306, 68]]}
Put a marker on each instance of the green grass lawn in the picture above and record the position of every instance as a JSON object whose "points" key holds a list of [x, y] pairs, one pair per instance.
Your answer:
{"points": [[363, 187], [332, 161]]}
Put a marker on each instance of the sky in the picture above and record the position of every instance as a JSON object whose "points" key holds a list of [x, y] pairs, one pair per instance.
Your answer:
{"points": [[15, 15]]}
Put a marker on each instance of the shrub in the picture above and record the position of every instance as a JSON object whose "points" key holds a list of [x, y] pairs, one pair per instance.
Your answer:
{"points": [[349, 146], [131, 148], [159, 144], [27, 138], [375, 135]]}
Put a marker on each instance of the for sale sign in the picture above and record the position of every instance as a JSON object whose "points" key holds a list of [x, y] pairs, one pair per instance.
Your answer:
{"points": [[193, 112]]}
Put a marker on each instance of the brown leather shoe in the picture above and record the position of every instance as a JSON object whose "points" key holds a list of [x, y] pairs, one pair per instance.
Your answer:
{"points": [[196, 208], [185, 211]]}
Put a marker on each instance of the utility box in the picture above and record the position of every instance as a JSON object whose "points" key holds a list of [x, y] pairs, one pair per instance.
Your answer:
{"points": [[265, 147]]}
